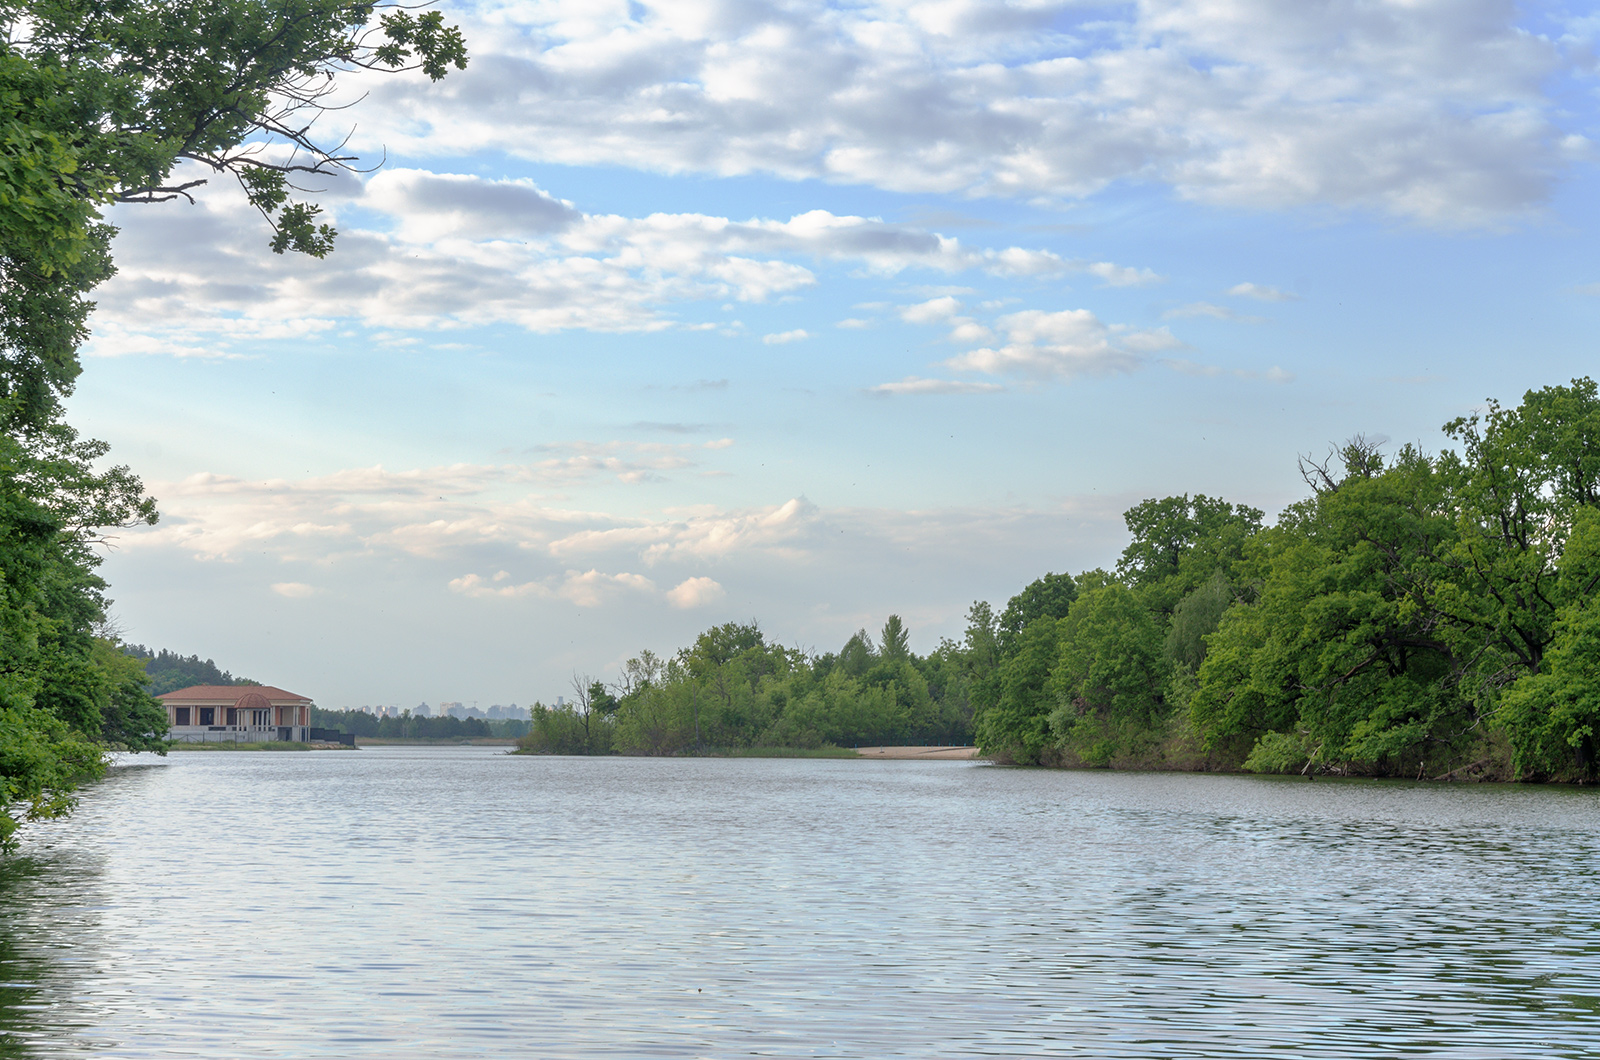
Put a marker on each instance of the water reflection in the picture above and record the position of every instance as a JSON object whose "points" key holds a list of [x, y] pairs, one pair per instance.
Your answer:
{"points": [[454, 902]]}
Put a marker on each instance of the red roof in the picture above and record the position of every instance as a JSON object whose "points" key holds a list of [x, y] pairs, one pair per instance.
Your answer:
{"points": [[231, 693]]}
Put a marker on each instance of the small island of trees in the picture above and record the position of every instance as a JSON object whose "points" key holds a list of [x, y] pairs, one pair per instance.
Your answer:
{"points": [[1417, 615]]}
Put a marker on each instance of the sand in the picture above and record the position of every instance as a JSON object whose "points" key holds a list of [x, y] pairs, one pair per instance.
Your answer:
{"points": [[917, 752]]}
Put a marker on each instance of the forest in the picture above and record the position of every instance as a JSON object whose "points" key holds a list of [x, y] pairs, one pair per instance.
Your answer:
{"points": [[409, 726], [1415, 615]]}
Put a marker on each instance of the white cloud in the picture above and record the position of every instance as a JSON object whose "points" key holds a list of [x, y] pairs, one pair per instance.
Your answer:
{"points": [[294, 590], [1429, 109], [466, 251], [933, 311], [588, 588], [1262, 292], [1063, 345], [782, 338], [695, 592], [914, 385], [1122, 275]]}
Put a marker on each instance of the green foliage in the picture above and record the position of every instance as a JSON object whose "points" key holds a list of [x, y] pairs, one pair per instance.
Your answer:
{"points": [[895, 640], [1109, 678], [1047, 597], [42, 761], [1180, 543], [1016, 728], [169, 671], [1552, 717], [61, 686], [1195, 618], [566, 730], [732, 691]]}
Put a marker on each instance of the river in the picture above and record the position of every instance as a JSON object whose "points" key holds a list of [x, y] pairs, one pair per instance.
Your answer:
{"points": [[407, 902]]}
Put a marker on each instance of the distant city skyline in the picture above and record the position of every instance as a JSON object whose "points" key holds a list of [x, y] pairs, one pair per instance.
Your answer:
{"points": [[660, 316]]}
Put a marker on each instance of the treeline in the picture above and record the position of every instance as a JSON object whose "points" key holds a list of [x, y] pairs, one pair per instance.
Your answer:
{"points": [[409, 726], [1416, 615], [168, 671], [732, 689]]}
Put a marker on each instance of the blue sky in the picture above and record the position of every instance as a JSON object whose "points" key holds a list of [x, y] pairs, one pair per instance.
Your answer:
{"points": [[662, 315]]}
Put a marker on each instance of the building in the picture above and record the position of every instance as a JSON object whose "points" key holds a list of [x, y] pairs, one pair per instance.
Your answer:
{"points": [[236, 713]]}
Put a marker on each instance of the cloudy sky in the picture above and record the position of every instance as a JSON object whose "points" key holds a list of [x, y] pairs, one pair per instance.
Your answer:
{"points": [[669, 313]]}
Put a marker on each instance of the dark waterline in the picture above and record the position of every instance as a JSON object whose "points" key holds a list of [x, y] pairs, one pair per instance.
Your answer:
{"points": [[430, 902]]}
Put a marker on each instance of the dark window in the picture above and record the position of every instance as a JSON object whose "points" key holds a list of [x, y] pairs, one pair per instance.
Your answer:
{"points": [[233, 715], [208, 715], [183, 716]]}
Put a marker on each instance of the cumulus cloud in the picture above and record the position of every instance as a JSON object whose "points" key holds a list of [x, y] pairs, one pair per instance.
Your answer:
{"points": [[782, 338], [455, 251], [1431, 110], [1067, 344], [1121, 275], [1262, 293], [430, 206], [589, 588], [695, 592]]}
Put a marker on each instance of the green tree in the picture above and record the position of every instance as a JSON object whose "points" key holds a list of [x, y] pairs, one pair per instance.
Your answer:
{"points": [[1343, 661], [1047, 597], [1179, 543], [895, 640], [1109, 679], [1016, 728]]}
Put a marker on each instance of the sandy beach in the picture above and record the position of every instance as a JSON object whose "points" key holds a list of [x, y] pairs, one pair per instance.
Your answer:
{"points": [[917, 752]]}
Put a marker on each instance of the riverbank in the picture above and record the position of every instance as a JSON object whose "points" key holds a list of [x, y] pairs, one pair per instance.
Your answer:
{"points": [[482, 741], [264, 745], [918, 753]]}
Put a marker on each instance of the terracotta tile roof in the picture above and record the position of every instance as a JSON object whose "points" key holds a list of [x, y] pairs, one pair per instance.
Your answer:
{"points": [[231, 693]]}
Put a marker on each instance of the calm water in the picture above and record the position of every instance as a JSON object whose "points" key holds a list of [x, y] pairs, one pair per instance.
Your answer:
{"points": [[408, 902]]}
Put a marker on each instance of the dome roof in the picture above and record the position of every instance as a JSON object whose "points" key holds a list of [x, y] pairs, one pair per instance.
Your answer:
{"points": [[253, 701]]}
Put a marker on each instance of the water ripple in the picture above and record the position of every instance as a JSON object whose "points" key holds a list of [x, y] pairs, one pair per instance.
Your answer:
{"points": [[442, 903]]}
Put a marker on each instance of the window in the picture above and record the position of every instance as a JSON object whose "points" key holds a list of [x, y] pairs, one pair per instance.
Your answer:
{"points": [[233, 715], [208, 715], [183, 716]]}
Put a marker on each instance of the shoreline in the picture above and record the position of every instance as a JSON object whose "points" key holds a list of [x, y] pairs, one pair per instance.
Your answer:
{"points": [[923, 753]]}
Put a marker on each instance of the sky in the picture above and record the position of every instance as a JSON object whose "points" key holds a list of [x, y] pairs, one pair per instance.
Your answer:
{"points": [[663, 315]]}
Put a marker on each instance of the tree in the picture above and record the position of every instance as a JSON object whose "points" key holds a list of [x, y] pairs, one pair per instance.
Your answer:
{"points": [[1179, 543], [1016, 727], [1345, 661], [1047, 597], [895, 640], [1109, 679]]}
